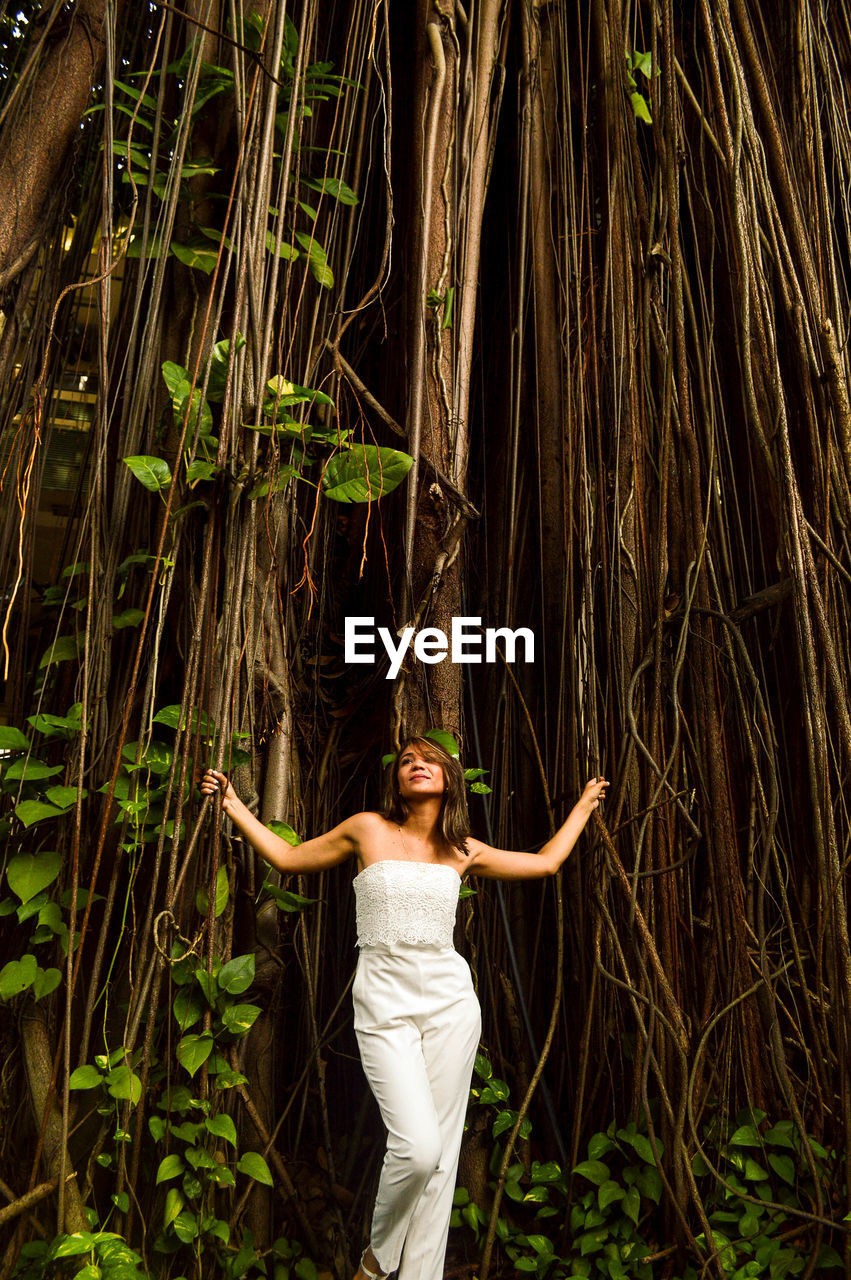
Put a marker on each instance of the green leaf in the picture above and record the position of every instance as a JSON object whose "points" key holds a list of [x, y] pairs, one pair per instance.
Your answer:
{"points": [[222, 1126], [505, 1120], [193, 1051], [198, 1157], [171, 1167], [72, 1246], [62, 650], [641, 1146], [219, 359], [594, 1170], [549, 1172], [640, 107], [170, 716], [188, 1007], [173, 1204], [200, 469], [239, 1018], [780, 1134], [746, 1136], [754, 1172], [285, 250], [208, 985], [155, 756], [196, 254], [481, 1066], [364, 473], [599, 1145], [445, 740], [152, 472], [321, 272], [608, 1192], [31, 770], [228, 1079], [186, 1226], [540, 1244], [28, 874], [495, 1091], [287, 900], [58, 726], [173, 376], [129, 618], [202, 898], [46, 980], [333, 187], [121, 1200], [35, 810], [191, 405], [216, 1227], [150, 248], [123, 1084], [17, 976], [11, 739], [643, 62], [783, 1166], [649, 1183], [85, 1077], [632, 1204], [253, 1164], [63, 797], [285, 831], [237, 975]]}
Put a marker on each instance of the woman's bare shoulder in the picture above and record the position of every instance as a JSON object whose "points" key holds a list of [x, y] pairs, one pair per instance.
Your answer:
{"points": [[363, 825]]}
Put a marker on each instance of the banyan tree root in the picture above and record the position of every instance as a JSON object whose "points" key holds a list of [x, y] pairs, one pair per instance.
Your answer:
{"points": [[39, 1066]]}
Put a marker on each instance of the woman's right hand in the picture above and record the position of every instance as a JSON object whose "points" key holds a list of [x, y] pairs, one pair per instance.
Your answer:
{"points": [[214, 783]]}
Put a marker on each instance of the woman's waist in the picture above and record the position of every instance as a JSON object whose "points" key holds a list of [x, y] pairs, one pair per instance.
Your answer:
{"points": [[402, 947]]}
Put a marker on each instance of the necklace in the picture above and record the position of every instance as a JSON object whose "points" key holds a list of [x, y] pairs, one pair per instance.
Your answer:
{"points": [[405, 849]]}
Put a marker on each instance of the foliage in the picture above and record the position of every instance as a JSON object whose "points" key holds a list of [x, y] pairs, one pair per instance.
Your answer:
{"points": [[625, 341], [603, 1220]]}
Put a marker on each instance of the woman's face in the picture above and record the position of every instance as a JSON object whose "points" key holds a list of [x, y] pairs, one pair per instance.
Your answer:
{"points": [[419, 778]]}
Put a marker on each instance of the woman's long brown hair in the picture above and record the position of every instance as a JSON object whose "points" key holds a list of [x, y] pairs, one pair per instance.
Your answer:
{"points": [[454, 820]]}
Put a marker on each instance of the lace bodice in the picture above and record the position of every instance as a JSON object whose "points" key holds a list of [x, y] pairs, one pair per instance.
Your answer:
{"points": [[408, 902]]}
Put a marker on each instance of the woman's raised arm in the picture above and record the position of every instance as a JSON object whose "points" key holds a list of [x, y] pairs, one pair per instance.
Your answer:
{"points": [[507, 864], [324, 851]]}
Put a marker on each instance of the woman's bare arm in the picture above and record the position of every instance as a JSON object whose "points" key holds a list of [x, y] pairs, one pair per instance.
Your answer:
{"points": [[324, 851], [508, 864]]}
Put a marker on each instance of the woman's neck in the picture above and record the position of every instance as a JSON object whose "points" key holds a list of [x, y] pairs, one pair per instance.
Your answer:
{"points": [[423, 819]]}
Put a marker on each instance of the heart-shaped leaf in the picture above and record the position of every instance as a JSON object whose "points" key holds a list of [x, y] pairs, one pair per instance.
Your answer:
{"points": [[152, 472], [253, 1164], [17, 976], [27, 874], [365, 473]]}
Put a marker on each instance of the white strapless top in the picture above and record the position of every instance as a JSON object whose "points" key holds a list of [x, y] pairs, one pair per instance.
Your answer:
{"points": [[406, 902]]}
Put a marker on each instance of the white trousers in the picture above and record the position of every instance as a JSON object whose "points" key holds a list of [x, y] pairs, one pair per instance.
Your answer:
{"points": [[418, 1023]]}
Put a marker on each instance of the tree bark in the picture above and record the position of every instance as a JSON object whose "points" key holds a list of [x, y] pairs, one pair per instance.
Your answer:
{"points": [[39, 1065], [33, 156]]}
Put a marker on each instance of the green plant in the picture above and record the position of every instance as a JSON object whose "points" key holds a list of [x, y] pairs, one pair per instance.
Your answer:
{"points": [[763, 1173], [639, 63], [611, 1219], [87, 1255]]}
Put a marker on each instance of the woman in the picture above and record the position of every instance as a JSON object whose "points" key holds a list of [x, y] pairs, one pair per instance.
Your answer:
{"points": [[417, 1018]]}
